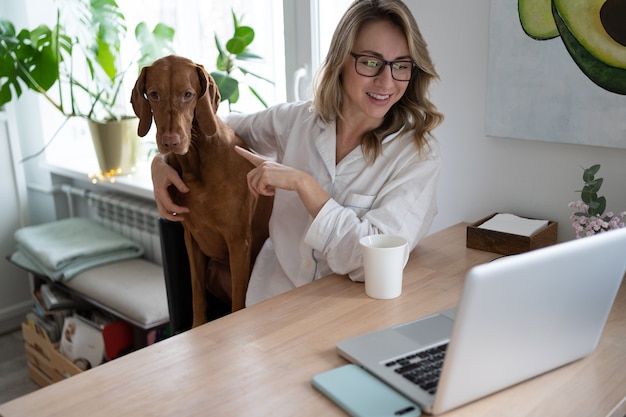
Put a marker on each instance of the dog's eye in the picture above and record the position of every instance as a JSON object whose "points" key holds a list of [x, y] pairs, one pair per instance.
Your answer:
{"points": [[153, 95], [188, 95]]}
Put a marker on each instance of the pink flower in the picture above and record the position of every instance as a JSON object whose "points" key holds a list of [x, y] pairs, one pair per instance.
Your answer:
{"points": [[587, 225]]}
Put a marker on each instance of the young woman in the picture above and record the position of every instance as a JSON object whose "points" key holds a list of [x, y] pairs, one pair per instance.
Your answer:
{"points": [[357, 160]]}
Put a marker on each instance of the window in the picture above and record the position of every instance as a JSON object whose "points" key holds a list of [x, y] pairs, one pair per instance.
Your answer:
{"points": [[292, 37], [332, 10], [197, 22], [309, 26]]}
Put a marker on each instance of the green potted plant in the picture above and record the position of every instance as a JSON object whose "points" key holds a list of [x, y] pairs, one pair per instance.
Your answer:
{"points": [[80, 56], [236, 49]]}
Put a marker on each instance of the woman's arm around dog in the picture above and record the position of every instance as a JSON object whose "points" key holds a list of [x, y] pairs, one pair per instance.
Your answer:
{"points": [[163, 176]]}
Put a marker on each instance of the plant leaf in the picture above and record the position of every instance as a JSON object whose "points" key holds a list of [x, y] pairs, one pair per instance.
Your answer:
{"points": [[110, 28], [235, 96], [590, 172], [246, 72], [227, 86], [588, 197], [46, 70], [27, 58], [153, 45], [245, 33], [594, 186], [224, 63], [235, 46], [248, 56], [601, 206], [235, 20], [258, 96], [218, 44]]}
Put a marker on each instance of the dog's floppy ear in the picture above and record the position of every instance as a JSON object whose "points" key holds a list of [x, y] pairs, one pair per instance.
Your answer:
{"points": [[141, 106], [208, 102]]}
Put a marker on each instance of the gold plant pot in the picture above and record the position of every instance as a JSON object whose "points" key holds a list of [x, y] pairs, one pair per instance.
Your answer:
{"points": [[117, 145]]}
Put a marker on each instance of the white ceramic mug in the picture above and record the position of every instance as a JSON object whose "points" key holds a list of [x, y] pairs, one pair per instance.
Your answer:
{"points": [[384, 259]]}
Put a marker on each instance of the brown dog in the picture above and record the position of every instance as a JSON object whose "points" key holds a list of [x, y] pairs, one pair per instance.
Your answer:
{"points": [[225, 222]]}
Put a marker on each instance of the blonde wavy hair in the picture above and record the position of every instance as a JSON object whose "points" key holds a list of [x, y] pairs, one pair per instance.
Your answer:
{"points": [[414, 111]]}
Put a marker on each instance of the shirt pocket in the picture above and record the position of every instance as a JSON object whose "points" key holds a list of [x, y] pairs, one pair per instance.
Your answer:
{"points": [[360, 203]]}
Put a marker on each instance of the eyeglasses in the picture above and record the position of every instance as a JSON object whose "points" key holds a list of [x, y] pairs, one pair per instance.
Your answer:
{"points": [[371, 66]]}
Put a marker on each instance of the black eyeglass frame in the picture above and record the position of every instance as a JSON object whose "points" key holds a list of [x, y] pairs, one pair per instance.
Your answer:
{"points": [[382, 67]]}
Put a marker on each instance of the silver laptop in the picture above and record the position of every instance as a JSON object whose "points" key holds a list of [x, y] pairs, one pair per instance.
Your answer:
{"points": [[519, 316]]}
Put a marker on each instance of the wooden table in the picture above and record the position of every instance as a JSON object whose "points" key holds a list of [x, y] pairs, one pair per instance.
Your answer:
{"points": [[259, 361]]}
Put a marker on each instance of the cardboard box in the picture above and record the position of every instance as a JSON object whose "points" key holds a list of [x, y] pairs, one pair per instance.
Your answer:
{"points": [[506, 243], [45, 364]]}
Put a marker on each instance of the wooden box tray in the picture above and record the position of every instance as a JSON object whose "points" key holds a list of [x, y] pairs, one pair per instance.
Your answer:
{"points": [[507, 243]]}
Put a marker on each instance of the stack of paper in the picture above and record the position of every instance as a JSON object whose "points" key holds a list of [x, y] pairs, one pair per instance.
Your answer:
{"points": [[510, 223]]}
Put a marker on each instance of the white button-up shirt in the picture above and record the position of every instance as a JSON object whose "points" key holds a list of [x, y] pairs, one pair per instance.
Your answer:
{"points": [[394, 195]]}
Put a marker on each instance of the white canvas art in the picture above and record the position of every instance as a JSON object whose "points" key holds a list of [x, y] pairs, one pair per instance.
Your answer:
{"points": [[536, 91]]}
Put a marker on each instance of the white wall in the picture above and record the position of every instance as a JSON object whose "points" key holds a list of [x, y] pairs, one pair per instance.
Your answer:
{"points": [[481, 174], [18, 135], [15, 298]]}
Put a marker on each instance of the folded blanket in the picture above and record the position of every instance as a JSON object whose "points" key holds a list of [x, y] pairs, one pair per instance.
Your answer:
{"points": [[63, 248]]}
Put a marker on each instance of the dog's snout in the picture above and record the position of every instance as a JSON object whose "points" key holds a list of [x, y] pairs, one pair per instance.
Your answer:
{"points": [[171, 141]]}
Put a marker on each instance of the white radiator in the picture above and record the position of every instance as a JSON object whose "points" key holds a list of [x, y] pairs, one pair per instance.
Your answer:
{"points": [[133, 217]]}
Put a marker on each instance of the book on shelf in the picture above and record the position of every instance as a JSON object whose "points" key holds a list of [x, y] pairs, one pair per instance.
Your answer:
{"points": [[57, 315], [48, 329]]}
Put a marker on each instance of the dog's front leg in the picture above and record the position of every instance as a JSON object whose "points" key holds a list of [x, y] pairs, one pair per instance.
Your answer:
{"points": [[240, 268], [197, 268]]}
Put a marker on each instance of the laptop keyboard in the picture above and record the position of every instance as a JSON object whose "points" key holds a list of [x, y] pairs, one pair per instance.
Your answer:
{"points": [[422, 368]]}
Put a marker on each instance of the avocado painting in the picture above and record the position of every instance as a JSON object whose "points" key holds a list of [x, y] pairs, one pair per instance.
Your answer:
{"points": [[593, 31], [557, 71]]}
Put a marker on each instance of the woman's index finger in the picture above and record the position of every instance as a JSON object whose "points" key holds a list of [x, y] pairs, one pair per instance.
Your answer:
{"points": [[252, 157]]}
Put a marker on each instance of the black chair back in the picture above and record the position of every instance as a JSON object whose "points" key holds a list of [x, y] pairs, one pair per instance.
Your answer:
{"points": [[177, 276]]}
